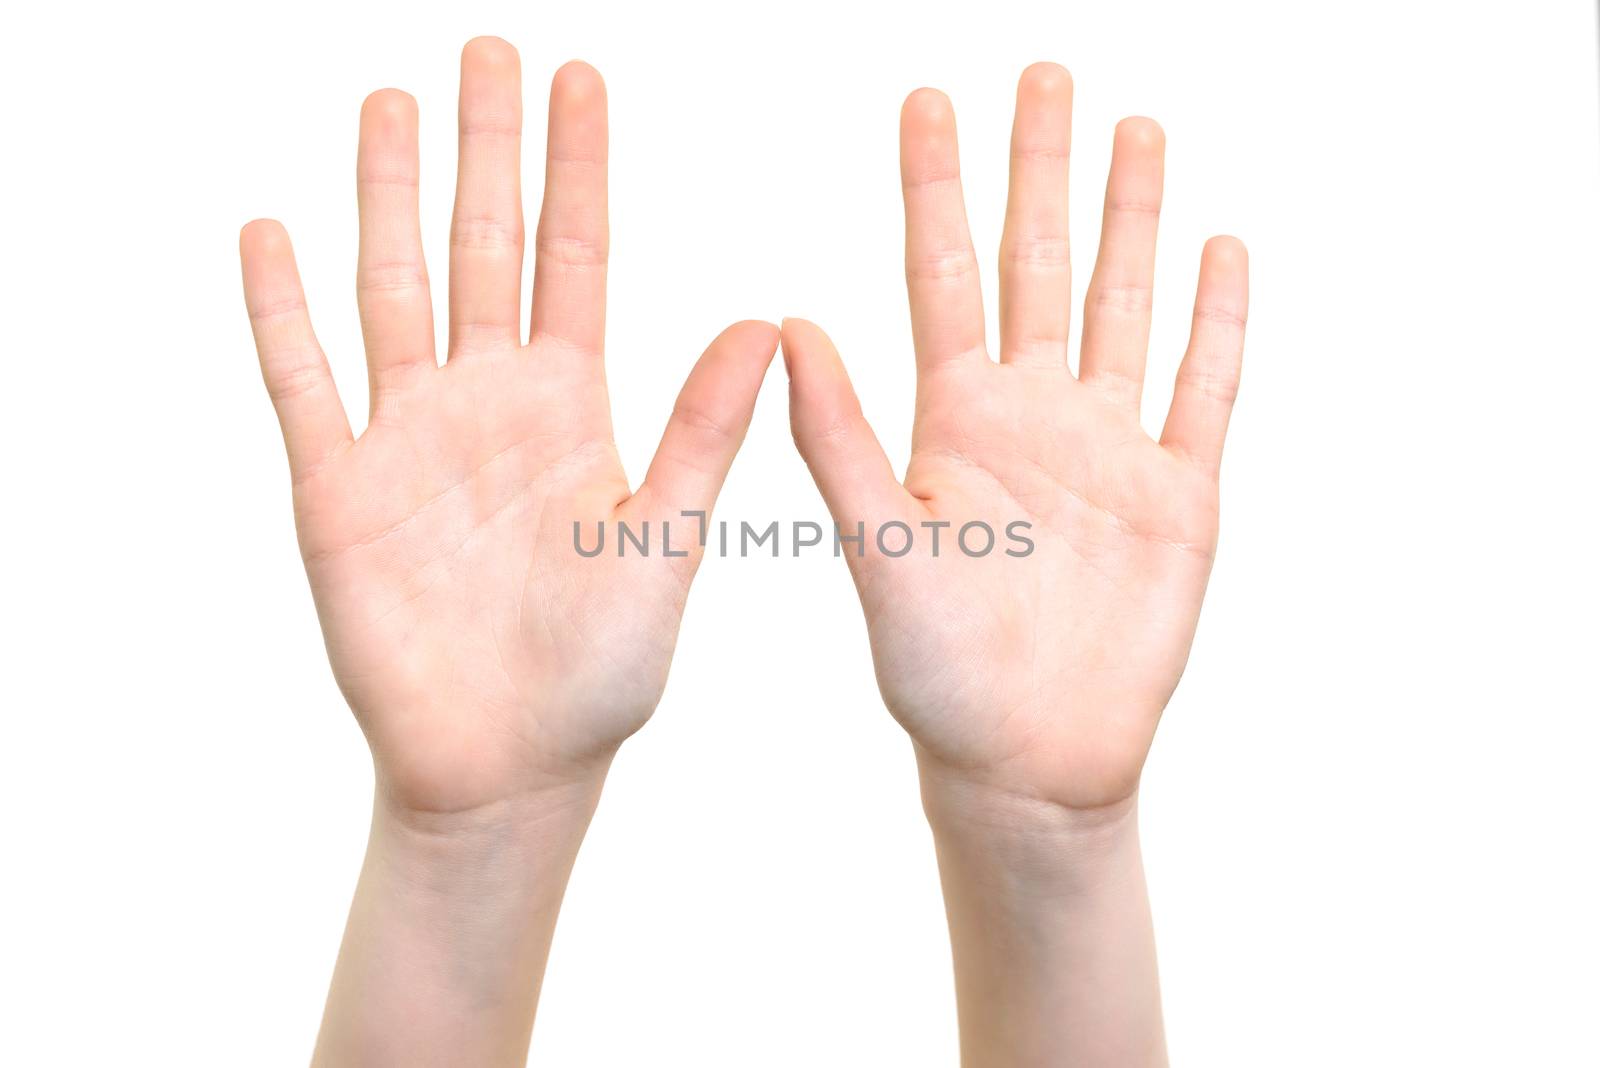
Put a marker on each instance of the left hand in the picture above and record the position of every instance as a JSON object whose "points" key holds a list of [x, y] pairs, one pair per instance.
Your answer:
{"points": [[1040, 677]]}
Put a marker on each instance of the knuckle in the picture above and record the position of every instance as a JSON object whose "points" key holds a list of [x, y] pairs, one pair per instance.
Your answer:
{"points": [[1049, 251], [487, 232], [573, 251], [1124, 299], [943, 265], [1219, 386]]}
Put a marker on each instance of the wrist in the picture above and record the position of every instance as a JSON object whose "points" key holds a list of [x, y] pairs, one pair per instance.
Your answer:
{"points": [[1050, 928], [1033, 843], [476, 789], [487, 838], [450, 928]]}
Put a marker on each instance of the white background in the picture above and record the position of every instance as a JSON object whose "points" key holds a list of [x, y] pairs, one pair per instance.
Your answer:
{"points": [[1369, 814]]}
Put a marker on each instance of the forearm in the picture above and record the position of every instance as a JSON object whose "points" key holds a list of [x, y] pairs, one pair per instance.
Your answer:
{"points": [[449, 932], [1049, 927]]}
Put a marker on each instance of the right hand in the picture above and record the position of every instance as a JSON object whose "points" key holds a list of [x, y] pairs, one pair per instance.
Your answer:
{"points": [[483, 657]]}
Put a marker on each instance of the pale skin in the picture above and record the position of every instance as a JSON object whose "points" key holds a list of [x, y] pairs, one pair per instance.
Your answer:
{"points": [[1031, 687], [493, 670]]}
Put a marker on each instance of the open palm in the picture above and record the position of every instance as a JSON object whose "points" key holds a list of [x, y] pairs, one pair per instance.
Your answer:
{"points": [[484, 656], [1043, 672]]}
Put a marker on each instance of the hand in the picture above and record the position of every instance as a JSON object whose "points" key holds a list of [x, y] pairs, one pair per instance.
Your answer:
{"points": [[493, 668], [1031, 674], [484, 658], [1040, 677]]}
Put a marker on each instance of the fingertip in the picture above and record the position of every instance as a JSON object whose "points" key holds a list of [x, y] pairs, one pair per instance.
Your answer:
{"points": [[1041, 130], [1140, 133], [829, 430], [389, 107], [755, 337], [801, 336], [758, 329], [791, 333], [1227, 251], [812, 361], [926, 111], [928, 151], [491, 53], [262, 237], [1044, 80], [576, 83], [578, 114]]}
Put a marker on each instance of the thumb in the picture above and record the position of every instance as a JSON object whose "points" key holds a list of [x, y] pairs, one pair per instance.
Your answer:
{"points": [[710, 418], [838, 445]]}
